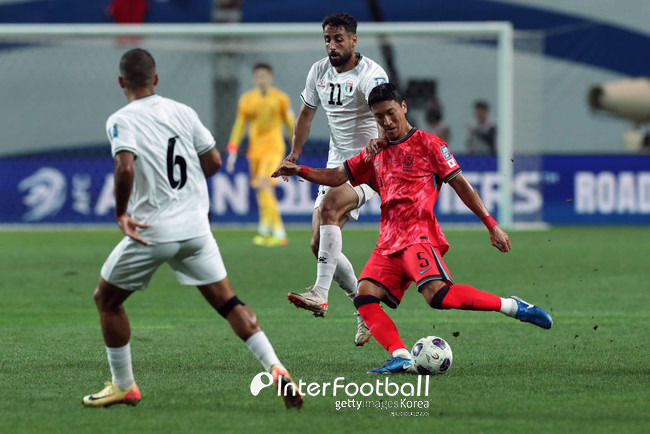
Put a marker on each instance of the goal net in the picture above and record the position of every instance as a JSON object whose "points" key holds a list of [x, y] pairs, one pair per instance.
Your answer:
{"points": [[60, 85]]}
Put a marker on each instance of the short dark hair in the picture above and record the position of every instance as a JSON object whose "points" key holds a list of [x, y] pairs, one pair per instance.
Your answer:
{"points": [[137, 68], [482, 105], [341, 20], [384, 92], [263, 66]]}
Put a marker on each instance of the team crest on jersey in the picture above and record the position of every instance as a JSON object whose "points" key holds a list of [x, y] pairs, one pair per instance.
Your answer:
{"points": [[114, 131], [408, 162], [349, 87], [380, 80], [321, 83]]}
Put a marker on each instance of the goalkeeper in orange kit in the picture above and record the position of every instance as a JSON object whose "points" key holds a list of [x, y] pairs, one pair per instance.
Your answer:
{"points": [[267, 110]]}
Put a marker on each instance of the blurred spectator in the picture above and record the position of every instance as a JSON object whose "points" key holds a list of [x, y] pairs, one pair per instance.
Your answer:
{"points": [[481, 139], [435, 123], [127, 11], [227, 11], [645, 146]]}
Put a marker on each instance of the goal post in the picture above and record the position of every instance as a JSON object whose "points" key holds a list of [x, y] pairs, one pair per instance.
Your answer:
{"points": [[248, 37]]}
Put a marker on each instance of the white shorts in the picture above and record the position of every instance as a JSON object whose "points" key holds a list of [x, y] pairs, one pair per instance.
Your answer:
{"points": [[364, 193], [196, 261]]}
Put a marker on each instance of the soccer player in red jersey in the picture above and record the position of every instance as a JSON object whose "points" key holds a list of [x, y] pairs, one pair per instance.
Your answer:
{"points": [[407, 171]]}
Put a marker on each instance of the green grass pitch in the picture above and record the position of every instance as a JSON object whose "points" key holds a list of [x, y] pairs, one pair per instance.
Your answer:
{"points": [[589, 373]]}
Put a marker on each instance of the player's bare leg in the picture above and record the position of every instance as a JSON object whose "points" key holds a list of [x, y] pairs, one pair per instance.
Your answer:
{"points": [[332, 264], [109, 300], [117, 333], [443, 295], [241, 318], [243, 321]]}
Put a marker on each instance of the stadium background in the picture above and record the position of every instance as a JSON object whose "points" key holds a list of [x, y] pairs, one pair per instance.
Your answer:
{"points": [[571, 166], [587, 374]]}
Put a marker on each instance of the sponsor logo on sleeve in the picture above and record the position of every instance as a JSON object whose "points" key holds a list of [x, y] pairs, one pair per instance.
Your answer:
{"points": [[380, 80], [447, 156]]}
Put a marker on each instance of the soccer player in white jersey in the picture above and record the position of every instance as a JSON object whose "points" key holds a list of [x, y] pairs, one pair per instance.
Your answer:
{"points": [[163, 155], [340, 83]]}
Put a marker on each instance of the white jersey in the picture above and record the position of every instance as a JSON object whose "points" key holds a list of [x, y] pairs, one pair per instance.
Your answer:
{"points": [[344, 97], [170, 192]]}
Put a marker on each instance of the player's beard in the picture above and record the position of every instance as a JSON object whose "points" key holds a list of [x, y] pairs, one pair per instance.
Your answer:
{"points": [[341, 60]]}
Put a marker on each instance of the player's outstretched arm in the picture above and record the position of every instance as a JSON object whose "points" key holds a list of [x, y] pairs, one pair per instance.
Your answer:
{"points": [[333, 177], [124, 174], [471, 199], [301, 131], [289, 121]]}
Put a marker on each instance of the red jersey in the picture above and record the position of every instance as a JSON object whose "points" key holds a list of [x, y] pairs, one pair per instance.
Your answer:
{"points": [[407, 175]]}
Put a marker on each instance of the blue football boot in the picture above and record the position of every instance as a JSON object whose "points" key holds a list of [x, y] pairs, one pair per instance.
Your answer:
{"points": [[527, 312], [394, 365]]}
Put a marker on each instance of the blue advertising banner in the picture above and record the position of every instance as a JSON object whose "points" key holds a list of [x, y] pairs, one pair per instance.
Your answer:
{"points": [[597, 189], [552, 189]]}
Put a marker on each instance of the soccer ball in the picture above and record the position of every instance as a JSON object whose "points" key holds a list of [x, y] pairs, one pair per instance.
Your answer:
{"points": [[431, 355]]}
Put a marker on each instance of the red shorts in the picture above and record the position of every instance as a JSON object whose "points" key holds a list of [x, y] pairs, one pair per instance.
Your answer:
{"points": [[419, 263]]}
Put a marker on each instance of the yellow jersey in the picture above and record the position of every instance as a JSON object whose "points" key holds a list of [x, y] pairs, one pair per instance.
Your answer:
{"points": [[266, 114]]}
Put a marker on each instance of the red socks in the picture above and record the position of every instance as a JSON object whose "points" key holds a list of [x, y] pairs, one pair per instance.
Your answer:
{"points": [[466, 297], [381, 327]]}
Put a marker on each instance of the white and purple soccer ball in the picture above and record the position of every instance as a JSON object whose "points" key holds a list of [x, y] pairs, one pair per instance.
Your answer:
{"points": [[431, 355]]}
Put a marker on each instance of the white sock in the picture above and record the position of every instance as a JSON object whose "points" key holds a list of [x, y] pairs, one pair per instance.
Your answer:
{"points": [[260, 346], [263, 230], [403, 353], [279, 232], [119, 359], [345, 277], [329, 251], [508, 306]]}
